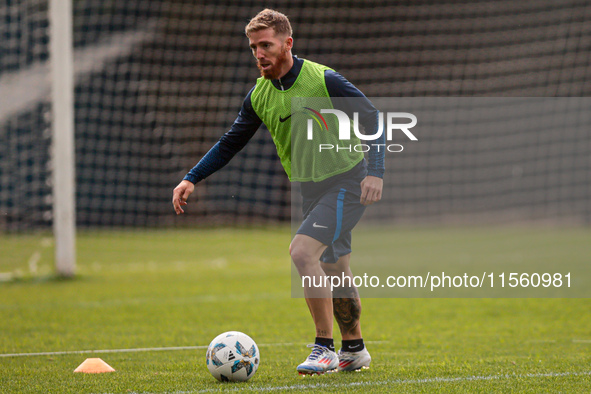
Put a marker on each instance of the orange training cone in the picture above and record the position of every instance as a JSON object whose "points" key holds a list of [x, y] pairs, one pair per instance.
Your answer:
{"points": [[94, 365]]}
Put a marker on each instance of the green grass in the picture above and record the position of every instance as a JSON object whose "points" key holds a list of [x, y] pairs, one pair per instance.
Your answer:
{"points": [[182, 288]]}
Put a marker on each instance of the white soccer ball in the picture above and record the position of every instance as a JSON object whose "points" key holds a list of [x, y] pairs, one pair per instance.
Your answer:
{"points": [[232, 357]]}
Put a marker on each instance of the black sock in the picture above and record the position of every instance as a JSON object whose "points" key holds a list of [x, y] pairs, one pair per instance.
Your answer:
{"points": [[353, 345], [326, 342]]}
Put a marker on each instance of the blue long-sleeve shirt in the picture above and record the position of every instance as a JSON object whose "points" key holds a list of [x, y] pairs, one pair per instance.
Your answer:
{"points": [[248, 122]]}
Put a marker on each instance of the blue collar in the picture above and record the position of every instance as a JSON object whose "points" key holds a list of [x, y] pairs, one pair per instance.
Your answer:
{"points": [[289, 79]]}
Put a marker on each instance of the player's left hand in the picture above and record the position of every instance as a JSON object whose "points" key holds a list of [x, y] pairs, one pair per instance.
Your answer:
{"points": [[371, 190]]}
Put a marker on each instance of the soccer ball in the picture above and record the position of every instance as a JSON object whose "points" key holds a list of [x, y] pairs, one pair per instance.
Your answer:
{"points": [[232, 357]]}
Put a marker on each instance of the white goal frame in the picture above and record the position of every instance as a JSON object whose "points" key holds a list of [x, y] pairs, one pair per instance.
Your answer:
{"points": [[63, 148]]}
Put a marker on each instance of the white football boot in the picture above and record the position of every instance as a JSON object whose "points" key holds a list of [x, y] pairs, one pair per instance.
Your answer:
{"points": [[321, 360], [354, 361]]}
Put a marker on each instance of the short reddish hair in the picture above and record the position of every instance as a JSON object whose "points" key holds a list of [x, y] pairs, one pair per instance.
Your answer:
{"points": [[267, 19]]}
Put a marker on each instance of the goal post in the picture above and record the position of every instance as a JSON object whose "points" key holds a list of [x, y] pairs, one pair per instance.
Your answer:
{"points": [[63, 149]]}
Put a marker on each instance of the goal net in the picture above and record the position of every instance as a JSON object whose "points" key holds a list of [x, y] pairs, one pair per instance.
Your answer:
{"points": [[158, 82]]}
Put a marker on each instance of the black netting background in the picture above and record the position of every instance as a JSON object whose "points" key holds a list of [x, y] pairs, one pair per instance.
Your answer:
{"points": [[158, 82]]}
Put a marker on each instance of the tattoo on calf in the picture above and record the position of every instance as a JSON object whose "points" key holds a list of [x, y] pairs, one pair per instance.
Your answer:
{"points": [[347, 308], [321, 333]]}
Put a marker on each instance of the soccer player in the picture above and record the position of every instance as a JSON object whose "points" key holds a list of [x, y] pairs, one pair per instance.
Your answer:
{"points": [[335, 189]]}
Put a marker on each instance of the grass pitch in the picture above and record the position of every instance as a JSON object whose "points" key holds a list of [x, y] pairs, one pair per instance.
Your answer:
{"points": [[150, 302]]}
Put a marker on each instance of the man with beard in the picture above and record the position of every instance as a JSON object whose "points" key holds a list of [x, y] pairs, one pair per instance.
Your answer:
{"points": [[335, 192]]}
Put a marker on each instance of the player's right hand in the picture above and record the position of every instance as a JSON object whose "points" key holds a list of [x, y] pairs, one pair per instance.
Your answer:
{"points": [[180, 195]]}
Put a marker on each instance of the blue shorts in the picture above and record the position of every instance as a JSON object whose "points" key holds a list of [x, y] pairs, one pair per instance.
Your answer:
{"points": [[332, 209]]}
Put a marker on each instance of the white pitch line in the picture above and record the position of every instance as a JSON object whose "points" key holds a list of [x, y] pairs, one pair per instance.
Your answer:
{"points": [[146, 349], [151, 349], [542, 341], [314, 386]]}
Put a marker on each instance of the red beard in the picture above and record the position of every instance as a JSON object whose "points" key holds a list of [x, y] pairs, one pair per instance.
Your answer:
{"points": [[275, 70]]}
